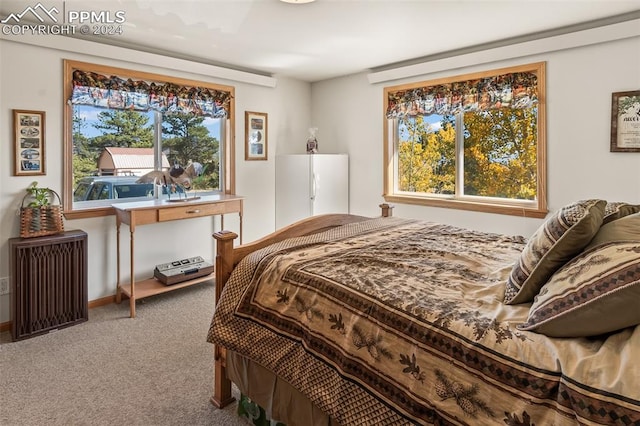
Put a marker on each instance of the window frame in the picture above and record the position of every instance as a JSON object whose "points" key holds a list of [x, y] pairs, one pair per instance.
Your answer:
{"points": [[536, 209], [227, 146]]}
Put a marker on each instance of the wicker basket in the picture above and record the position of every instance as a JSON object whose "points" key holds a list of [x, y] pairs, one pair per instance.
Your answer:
{"points": [[43, 220]]}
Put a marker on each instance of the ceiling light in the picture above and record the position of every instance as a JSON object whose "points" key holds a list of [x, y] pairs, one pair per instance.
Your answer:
{"points": [[297, 1]]}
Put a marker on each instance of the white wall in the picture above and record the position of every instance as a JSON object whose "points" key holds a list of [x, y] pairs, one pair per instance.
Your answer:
{"points": [[31, 78], [348, 112], [580, 81]]}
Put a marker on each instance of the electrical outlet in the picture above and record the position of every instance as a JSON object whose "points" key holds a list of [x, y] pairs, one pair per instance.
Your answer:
{"points": [[4, 286]]}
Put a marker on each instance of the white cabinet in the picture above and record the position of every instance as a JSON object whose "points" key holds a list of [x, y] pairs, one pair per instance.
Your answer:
{"points": [[309, 185]]}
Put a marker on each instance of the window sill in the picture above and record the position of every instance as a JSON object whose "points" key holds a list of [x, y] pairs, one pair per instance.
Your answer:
{"points": [[88, 212], [511, 210]]}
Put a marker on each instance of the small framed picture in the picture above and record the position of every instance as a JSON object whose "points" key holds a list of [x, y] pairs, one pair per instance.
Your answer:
{"points": [[29, 145], [625, 121], [255, 135]]}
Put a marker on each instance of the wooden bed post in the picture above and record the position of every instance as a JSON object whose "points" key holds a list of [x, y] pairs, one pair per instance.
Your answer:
{"points": [[224, 265], [387, 210]]}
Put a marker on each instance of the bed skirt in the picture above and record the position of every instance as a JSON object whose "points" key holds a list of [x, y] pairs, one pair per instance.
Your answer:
{"points": [[281, 401]]}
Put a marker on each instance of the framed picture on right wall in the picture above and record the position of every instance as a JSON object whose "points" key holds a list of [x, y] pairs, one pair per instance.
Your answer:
{"points": [[625, 121]]}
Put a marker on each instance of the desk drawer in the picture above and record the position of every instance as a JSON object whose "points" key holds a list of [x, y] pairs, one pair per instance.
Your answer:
{"points": [[185, 212]]}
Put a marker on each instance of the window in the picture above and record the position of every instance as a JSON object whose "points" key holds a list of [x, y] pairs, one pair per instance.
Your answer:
{"points": [[121, 124], [473, 142]]}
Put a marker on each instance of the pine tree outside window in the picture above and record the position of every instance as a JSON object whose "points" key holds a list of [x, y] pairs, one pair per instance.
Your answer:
{"points": [[142, 117]]}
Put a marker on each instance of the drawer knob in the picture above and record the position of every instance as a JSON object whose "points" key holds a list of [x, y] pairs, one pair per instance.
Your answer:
{"points": [[193, 211]]}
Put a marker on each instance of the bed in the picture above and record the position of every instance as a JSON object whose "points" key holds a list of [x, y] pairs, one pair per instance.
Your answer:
{"points": [[342, 319]]}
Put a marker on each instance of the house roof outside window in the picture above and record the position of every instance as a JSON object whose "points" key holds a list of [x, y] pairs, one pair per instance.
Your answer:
{"points": [[128, 161]]}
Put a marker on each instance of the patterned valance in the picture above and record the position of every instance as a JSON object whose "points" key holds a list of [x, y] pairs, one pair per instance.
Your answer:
{"points": [[90, 88], [514, 90]]}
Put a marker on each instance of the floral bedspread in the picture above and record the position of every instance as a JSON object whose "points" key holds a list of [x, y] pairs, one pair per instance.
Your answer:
{"points": [[394, 321]]}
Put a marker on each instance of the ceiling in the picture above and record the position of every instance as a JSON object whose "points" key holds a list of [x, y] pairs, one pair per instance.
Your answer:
{"points": [[329, 38]]}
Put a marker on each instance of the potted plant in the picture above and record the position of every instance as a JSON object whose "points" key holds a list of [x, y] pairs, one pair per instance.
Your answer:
{"points": [[40, 217], [40, 196]]}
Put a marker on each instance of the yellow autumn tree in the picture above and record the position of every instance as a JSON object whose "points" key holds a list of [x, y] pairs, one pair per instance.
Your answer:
{"points": [[426, 158], [500, 154]]}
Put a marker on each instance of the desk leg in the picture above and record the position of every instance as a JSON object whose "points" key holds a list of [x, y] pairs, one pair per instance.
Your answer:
{"points": [[118, 290], [222, 223], [132, 299]]}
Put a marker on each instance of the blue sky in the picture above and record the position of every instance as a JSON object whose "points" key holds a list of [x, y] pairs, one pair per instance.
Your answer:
{"points": [[434, 120], [90, 116]]}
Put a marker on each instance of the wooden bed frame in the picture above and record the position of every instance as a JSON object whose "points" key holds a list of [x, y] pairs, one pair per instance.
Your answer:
{"points": [[227, 257]]}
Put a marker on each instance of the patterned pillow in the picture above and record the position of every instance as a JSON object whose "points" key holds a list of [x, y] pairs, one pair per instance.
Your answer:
{"points": [[559, 239], [596, 293], [626, 228], [616, 210]]}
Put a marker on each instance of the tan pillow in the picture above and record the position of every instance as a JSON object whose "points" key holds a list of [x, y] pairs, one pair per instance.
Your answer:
{"points": [[596, 293], [558, 239], [615, 210], [626, 228]]}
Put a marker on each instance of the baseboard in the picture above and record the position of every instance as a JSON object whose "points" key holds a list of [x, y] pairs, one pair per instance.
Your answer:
{"points": [[102, 301], [6, 326]]}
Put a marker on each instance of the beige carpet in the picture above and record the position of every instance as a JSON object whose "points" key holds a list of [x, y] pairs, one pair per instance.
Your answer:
{"points": [[155, 369]]}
